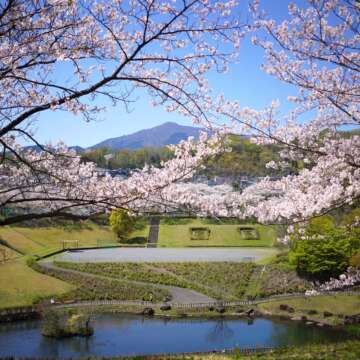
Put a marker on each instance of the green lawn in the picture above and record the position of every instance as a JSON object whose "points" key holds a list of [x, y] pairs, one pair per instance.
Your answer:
{"points": [[21, 286], [340, 304], [41, 240], [173, 233], [346, 350], [178, 235]]}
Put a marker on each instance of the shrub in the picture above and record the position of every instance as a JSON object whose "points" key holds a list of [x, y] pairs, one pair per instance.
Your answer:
{"points": [[62, 325], [30, 261], [320, 225], [121, 223], [323, 256]]}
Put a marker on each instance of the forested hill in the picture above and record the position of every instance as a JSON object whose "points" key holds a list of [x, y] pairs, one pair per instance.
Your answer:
{"points": [[246, 158]]}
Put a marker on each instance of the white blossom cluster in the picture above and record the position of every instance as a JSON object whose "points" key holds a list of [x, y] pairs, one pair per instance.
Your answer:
{"points": [[346, 280], [58, 182], [317, 50]]}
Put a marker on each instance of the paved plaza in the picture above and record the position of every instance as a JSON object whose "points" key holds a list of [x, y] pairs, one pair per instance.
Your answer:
{"points": [[166, 254]]}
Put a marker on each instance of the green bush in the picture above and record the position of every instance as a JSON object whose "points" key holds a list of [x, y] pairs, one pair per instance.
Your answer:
{"points": [[322, 250], [324, 256], [30, 261], [121, 223], [63, 325], [320, 225]]}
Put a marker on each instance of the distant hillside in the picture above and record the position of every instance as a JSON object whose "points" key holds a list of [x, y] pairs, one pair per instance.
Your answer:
{"points": [[158, 136]]}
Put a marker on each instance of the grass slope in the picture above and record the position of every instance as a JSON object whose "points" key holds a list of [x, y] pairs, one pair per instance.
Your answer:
{"points": [[340, 304], [347, 350], [222, 234], [22, 286], [41, 240]]}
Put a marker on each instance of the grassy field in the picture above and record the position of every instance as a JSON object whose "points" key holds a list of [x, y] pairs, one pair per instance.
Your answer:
{"points": [[173, 233], [22, 286], [347, 350], [340, 304], [218, 280], [41, 240], [222, 234]]}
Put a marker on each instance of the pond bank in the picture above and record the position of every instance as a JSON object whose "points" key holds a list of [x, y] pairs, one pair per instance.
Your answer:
{"points": [[314, 309]]}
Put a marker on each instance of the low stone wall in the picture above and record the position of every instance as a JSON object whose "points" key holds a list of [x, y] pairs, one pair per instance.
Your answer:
{"points": [[25, 313]]}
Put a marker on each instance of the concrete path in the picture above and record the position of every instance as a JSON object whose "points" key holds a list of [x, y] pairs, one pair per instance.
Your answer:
{"points": [[166, 254], [178, 294], [153, 233]]}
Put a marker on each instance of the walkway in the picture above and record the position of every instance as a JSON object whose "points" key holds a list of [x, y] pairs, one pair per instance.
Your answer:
{"points": [[153, 232], [178, 294], [179, 305], [166, 254]]}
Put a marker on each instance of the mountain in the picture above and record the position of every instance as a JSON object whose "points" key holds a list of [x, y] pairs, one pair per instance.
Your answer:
{"points": [[158, 136]]}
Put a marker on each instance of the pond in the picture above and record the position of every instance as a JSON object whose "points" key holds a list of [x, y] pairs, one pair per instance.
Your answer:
{"points": [[125, 334]]}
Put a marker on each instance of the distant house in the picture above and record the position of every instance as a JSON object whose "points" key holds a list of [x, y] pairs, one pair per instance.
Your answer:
{"points": [[108, 157], [122, 173]]}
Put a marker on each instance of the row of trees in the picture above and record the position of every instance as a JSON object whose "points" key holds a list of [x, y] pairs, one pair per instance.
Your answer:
{"points": [[323, 249], [128, 159], [245, 158]]}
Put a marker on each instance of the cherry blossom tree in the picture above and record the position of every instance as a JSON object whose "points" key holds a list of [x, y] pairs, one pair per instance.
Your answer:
{"points": [[317, 51], [61, 185], [63, 55]]}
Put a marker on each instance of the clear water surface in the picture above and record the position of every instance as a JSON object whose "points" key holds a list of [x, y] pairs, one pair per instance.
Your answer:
{"points": [[125, 334]]}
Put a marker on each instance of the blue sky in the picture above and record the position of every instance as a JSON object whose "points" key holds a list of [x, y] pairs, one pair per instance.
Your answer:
{"points": [[244, 82]]}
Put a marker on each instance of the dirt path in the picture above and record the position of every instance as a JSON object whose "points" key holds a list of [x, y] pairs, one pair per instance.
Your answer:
{"points": [[179, 295]]}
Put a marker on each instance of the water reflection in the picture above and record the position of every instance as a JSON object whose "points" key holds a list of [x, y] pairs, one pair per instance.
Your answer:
{"points": [[220, 332], [120, 334]]}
